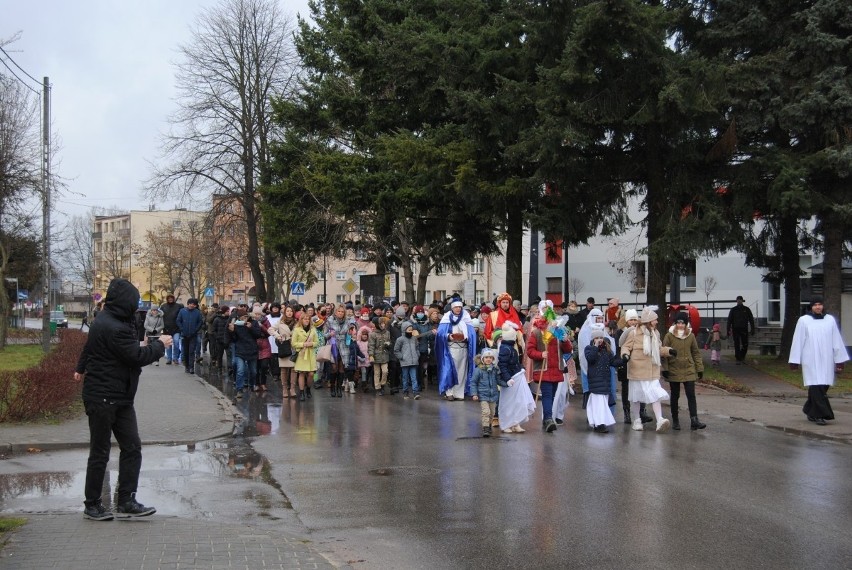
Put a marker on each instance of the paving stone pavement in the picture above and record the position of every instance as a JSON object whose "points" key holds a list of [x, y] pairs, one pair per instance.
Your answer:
{"points": [[71, 542]]}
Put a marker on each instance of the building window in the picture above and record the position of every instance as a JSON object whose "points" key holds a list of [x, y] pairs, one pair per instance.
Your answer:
{"points": [[360, 254], [242, 275], [342, 299], [637, 276], [554, 284], [439, 295], [321, 275], [478, 267], [480, 297], [340, 275], [687, 276], [320, 298], [359, 272]]}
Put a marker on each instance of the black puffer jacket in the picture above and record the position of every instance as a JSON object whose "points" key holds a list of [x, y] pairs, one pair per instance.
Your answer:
{"points": [[112, 358]]}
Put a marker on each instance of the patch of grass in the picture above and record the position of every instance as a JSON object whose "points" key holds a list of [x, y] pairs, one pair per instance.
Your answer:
{"points": [[20, 356], [781, 370], [715, 377], [10, 523]]}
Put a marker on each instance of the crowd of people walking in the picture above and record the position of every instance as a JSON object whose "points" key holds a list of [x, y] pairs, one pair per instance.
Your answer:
{"points": [[503, 354]]}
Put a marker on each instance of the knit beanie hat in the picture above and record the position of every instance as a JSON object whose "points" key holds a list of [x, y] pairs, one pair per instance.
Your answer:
{"points": [[648, 314], [597, 330], [631, 314]]}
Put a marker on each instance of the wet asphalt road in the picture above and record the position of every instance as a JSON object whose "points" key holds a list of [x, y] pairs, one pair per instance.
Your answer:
{"points": [[410, 484], [380, 482]]}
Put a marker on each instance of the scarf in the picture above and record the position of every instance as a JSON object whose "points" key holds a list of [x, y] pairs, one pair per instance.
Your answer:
{"points": [[651, 344]]}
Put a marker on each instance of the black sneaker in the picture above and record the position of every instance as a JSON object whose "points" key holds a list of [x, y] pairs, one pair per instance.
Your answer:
{"points": [[549, 426], [558, 421], [97, 513], [132, 509]]}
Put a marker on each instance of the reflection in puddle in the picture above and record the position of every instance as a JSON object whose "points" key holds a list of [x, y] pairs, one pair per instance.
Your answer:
{"points": [[23, 485]]}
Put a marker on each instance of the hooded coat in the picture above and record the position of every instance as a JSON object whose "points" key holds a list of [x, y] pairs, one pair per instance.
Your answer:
{"points": [[688, 363], [405, 347], [112, 358]]}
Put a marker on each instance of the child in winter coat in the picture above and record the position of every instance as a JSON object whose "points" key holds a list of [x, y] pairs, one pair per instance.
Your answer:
{"points": [[354, 357], [364, 359], [600, 358], [379, 349], [520, 406], [715, 344], [483, 387], [406, 352]]}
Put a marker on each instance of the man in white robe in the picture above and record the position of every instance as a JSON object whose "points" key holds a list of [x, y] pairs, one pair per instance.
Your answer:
{"points": [[818, 348]]}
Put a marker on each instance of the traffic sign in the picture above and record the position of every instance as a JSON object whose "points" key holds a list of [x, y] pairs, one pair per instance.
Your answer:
{"points": [[209, 292], [297, 288], [350, 286]]}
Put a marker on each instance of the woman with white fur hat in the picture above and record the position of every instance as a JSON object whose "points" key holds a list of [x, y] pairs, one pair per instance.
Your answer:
{"points": [[632, 319], [643, 351]]}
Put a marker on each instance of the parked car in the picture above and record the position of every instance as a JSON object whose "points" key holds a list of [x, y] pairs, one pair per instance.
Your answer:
{"points": [[58, 317]]}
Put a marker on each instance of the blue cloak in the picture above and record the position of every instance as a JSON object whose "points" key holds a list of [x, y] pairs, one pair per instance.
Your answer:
{"points": [[447, 377]]}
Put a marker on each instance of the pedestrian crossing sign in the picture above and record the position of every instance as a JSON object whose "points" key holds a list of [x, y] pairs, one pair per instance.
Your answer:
{"points": [[297, 288]]}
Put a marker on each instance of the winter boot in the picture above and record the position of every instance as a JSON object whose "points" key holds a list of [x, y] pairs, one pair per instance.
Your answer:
{"points": [[675, 421], [486, 431], [627, 418], [308, 392], [696, 424], [643, 415], [301, 395]]}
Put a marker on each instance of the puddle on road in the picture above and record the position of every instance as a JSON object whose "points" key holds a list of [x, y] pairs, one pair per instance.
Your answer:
{"points": [[177, 480]]}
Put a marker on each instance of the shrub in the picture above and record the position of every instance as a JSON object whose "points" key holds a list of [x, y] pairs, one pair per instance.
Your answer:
{"points": [[46, 389]]}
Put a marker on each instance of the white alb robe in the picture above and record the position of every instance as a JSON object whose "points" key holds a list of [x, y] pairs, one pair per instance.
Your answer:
{"points": [[817, 347]]}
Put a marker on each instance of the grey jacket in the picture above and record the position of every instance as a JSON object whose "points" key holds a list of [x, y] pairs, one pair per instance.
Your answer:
{"points": [[406, 350]]}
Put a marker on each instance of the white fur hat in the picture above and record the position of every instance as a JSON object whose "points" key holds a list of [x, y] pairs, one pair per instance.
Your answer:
{"points": [[510, 331], [598, 330], [631, 314]]}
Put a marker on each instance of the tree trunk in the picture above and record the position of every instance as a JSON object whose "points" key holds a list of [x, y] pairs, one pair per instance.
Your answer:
{"points": [[514, 253], [789, 250], [656, 200], [832, 265], [271, 281], [253, 253]]}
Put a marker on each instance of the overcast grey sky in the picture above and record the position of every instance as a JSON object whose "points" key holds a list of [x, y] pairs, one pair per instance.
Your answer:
{"points": [[110, 64]]}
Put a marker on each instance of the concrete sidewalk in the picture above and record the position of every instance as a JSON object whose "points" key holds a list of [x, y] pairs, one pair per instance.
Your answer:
{"points": [[172, 408]]}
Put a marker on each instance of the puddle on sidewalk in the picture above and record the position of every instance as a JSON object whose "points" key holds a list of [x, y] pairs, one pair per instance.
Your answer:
{"points": [[211, 479]]}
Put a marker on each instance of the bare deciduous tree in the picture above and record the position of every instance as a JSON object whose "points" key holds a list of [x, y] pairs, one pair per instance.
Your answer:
{"points": [[240, 56], [19, 173]]}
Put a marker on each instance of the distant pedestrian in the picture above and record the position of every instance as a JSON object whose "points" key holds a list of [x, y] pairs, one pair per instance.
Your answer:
{"points": [[304, 341], [740, 326], [818, 348], [170, 311], [154, 325], [85, 322], [601, 358], [715, 343], [109, 368], [189, 322]]}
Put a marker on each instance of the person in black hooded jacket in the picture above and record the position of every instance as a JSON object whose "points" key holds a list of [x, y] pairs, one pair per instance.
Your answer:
{"points": [[109, 367]]}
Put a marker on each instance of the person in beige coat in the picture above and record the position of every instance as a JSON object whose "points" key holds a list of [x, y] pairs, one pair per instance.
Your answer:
{"points": [[643, 351], [283, 330]]}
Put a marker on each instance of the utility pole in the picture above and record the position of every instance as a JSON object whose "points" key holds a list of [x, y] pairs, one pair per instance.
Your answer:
{"points": [[45, 230]]}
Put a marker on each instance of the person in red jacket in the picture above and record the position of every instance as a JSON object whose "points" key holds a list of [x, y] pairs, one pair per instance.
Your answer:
{"points": [[503, 311], [546, 344]]}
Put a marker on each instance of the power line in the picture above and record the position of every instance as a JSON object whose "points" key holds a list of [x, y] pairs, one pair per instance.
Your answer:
{"points": [[24, 71], [15, 75]]}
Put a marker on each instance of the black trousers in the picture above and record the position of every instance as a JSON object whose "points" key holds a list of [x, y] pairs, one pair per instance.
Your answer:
{"points": [[740, 343], [689, 388], [105, 419], [817, 405], [188, 352]]}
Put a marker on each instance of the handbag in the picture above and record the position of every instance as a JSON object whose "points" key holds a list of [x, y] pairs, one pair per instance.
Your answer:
{"points": [[285, 349], [324, 353], [295, 356]]}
